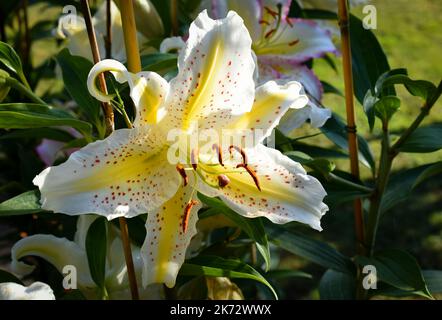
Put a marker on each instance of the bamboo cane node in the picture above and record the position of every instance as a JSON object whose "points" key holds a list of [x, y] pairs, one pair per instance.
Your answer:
{"points": [[351, 129]]}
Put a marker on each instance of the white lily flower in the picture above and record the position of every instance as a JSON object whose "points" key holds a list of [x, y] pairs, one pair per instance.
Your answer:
{"points": [[61, 252], [36, 291], [129, 173], [282, 45], [74, 30]]}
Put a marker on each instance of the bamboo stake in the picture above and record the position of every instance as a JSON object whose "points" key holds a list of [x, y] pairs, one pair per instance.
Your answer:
{"points": [[130, 36], [109, 116], [108, 39], [343, 16], [174, 16]]}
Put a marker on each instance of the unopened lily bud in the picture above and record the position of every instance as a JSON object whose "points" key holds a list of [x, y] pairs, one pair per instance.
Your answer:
{"points": [[148, 21], [223, 180]]}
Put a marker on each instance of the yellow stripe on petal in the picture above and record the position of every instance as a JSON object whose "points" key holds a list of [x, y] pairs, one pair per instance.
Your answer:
{"points": [[164, 249]]}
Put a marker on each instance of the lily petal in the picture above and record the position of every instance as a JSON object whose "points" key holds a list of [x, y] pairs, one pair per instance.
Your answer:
{"points": [[271, 102], [215, 75], [172, 44], [298, 41], [147, 89], [165, 246], [287, 192], [36, 291], [57, 251], [123, 175]]}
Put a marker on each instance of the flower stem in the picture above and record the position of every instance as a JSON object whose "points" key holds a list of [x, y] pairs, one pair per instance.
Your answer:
{"points": [[109, 116], [107, 108], [108, 38], [343, 15], [174, 16], [130, 36], [381, 184], [23, 90]]}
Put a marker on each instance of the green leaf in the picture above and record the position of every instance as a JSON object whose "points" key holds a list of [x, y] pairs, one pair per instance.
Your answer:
{"points": [[418, 88], [402, 184], [335, 130], [313, 250], [336, 285], [10, 59], [368, 104], [96, 247], [386, 106], [424, 140], [379, 88], [39, 133], [368, 59], [399, 269], [75, 71], [284, 274], [25, 203], [340, 189], [329, 88], [159, 62], [253, 227], [433, 279], [215, 266], [6, 276], [321, 165], [32, 115]]}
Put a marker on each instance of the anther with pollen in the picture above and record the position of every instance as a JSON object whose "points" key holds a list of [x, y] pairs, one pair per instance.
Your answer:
{"points": [[223, 180], [219, 152], [187, 211], [182, 172], [245, 165]]}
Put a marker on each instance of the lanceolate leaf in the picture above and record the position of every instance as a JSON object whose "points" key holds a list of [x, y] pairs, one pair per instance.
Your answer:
{"points": [[313, 250], [96, 248], [399, 269], [75, 71], [424, 140], [336, 285], [215, 266], [31, 115], [369, 60], [402, 184], [10, 59], [433, 279], [253, 227], [25, 203]]}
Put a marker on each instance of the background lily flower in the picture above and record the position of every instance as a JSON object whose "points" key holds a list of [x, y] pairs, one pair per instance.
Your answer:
{"points": [[129, 173], [36, 291], [282, 45], [74, 30], [54, 250]]}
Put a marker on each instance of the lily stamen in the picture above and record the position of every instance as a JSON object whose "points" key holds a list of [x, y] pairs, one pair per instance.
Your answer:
{"points": [[193, 157], [223, 180], [187, 211], [241, 151], [182, 171], [252, 173]]}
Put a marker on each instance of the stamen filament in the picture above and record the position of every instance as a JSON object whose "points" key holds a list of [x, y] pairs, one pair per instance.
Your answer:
{"points": [[187, 212]]}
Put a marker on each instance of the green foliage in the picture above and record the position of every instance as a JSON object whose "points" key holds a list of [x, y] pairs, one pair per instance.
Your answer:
{"points": [[335, 285], [399, 269], [96, 249], [214, 266], [10, 59], [25, 203]]}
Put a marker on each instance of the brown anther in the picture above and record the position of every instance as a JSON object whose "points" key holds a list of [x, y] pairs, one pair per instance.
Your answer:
{"points": [[264, 22], [187, 212], [269, 33], [241, 151], [223, 180], [271, 12], [219, 152], [193, 160], [293, 42], [252, 173], [289, 21], [182, 172]]}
